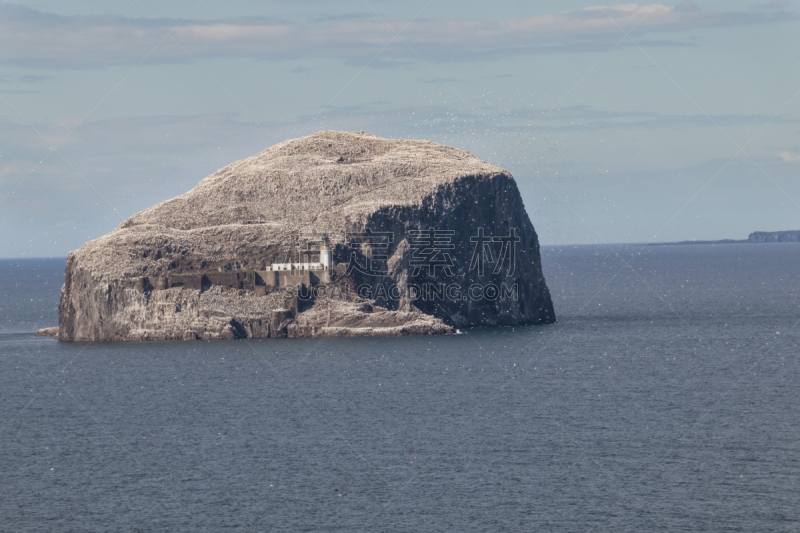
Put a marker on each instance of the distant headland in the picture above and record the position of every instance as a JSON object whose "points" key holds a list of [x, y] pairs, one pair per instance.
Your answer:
{"points": [[755, 237]]}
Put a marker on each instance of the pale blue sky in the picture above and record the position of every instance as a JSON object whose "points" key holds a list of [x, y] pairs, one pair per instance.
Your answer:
{"points": [[689, 127]]}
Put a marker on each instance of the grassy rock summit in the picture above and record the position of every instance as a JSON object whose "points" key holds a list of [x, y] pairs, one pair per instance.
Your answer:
{"points": [[420, 239]]}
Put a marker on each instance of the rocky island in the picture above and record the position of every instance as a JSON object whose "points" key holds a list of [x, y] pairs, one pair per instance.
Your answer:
{"points": [[334, 234]]}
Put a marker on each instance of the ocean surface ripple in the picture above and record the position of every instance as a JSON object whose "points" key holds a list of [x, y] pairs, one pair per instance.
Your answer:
{"points": [[665, 398]]}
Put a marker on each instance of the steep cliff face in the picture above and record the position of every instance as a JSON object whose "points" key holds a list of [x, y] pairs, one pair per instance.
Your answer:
{"points": [[425, 238], [774, 236]]}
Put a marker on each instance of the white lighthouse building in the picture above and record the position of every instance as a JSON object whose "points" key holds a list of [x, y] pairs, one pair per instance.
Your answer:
{"points": [[325, 254], [325, 260]]}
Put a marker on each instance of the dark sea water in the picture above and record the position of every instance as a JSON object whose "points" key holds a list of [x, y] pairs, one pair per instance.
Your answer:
{"points": [[666, 398]]}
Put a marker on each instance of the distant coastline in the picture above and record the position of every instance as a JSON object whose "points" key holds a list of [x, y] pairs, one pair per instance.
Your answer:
{"points": [[755, 237]]}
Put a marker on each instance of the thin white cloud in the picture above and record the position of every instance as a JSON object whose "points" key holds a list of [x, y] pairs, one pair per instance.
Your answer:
{"points": [[35, 38], [789, 157]]}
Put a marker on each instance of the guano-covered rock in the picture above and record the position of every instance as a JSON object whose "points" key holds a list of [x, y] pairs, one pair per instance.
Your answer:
{"points": [[423, 239]]}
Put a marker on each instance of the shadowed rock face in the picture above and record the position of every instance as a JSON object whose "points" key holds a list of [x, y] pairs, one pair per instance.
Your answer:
{"points": [[242, 217]]}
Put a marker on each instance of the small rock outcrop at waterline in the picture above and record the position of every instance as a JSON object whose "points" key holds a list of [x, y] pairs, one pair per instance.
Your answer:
{"points": [[334, 234]]}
